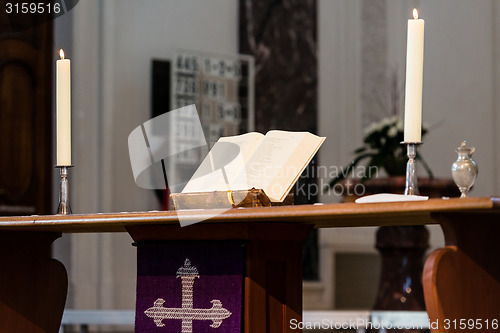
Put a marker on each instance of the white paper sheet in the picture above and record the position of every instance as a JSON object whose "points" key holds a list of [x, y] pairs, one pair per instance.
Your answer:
{"points": [[389, 197]]}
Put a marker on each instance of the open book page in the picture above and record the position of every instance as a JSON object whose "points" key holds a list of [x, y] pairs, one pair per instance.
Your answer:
{"points": [[294, 166], [278, 162], [248, 143], [225, 161]]}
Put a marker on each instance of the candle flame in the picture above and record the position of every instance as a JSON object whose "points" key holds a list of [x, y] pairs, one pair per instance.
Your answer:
{"points": [[415, 13], [61, 53]]}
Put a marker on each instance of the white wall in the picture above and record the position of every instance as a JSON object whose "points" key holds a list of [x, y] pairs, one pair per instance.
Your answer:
{"points": [[459, 86], [115, 42]]}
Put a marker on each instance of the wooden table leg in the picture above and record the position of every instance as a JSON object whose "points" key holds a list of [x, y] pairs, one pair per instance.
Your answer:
{"points": [[273, 267], [462, 280], [33, 286], [273, 285]]}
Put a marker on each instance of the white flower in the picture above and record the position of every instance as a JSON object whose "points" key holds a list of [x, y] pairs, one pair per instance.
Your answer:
{"points": [[371, 128], [392, 132], [384, 122], [400, 125]]}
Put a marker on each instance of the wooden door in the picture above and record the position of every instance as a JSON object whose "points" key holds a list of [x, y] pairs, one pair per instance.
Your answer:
{"points": [[26, 71]]}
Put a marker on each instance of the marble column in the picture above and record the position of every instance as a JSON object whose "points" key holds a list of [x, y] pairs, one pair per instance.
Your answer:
{"points": [[282, 36]]}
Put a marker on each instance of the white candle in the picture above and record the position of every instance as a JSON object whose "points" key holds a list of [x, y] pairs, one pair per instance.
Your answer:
{"points": [[414, 75], [63, 110]]}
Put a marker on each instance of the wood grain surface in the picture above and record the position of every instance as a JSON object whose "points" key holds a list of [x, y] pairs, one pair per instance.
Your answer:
{"points": [[321, 216]]}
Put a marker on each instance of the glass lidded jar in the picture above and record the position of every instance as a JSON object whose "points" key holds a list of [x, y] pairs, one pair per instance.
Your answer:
{"points": [[464, 170]]}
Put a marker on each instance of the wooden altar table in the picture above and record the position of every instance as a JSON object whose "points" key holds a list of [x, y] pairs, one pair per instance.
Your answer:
{"points": [[461, 281]]}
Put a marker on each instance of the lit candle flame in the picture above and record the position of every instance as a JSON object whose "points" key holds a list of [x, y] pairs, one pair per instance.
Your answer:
{"points": [[61, 53], [415, 13]]}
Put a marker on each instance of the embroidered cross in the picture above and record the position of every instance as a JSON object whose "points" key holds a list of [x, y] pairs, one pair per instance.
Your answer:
{"points": [[186, 312]]}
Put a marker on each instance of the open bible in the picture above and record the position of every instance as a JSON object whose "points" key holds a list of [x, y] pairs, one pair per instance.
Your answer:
{"points": [[271, 162]]}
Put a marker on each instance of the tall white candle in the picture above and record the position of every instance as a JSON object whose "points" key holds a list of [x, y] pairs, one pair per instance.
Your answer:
{"points": [[63, 110], [414, 76]]}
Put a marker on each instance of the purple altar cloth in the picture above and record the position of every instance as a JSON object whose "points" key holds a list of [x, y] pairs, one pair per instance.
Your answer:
{"points": [[189, 287]]}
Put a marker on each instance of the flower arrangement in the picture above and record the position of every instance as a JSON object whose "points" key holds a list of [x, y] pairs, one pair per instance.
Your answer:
{"points": [[383, 149]]}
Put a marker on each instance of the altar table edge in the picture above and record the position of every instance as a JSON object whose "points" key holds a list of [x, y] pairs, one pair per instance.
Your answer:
{"points": [[320, 216]]}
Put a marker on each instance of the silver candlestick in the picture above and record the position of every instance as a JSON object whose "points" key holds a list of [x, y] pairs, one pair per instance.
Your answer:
{"points": [[64, 208], [411, 168]]}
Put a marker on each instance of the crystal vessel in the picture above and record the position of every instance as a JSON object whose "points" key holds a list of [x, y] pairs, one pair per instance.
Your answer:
{"points": [[464, 170]]}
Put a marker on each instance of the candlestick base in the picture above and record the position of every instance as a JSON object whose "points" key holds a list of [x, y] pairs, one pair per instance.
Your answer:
{"points": [[64, 208], [411, 187]]}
